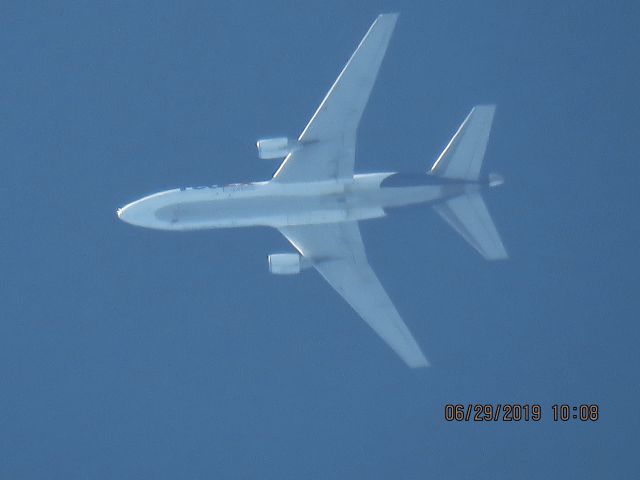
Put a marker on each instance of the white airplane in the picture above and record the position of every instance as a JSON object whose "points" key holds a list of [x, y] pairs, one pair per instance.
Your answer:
{"points": [[316, 200]]}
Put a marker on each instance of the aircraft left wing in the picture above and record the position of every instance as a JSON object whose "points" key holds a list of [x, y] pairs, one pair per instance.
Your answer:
{"points": [[329, 139], [337, 252]]}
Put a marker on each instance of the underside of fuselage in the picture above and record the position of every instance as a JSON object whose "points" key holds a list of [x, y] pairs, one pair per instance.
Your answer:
{"points": [[276, 205]]}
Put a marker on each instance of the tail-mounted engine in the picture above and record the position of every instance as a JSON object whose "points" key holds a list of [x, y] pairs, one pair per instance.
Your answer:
{"points": [[269, 148], [286, 263]]}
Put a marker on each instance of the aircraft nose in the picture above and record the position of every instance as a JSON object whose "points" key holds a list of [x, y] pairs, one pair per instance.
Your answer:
{"points": [[125, 214], [140, 213]]}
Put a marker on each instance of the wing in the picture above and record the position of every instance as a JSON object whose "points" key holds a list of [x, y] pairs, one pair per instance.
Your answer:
{"points": [[337, 252], [329, 140]]}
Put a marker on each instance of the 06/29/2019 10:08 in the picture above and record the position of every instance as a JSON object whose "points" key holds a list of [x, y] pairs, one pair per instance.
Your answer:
{"points": [[515, 412]]}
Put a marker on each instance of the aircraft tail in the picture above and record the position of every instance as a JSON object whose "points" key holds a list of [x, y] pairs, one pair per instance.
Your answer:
{"points": [[462, 160], [468, 215]]}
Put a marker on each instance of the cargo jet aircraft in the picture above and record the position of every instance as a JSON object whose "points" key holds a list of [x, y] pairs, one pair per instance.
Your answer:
{"points": [[316, 200]]}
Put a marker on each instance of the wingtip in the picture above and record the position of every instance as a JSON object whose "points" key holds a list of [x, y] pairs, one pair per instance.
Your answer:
{"points": [[421, 362], [390, 15], [496, 256], [489, 107], [424, 364]]}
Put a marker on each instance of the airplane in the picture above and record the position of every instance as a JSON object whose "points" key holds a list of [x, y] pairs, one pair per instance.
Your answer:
{"points": [[316, 200]]}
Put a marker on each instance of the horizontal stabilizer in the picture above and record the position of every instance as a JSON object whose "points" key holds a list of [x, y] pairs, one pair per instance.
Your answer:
{"points": [[468, 215], [462, 158]]}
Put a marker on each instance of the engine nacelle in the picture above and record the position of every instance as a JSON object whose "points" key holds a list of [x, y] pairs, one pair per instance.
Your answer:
{"points": [[285, 263], [280, 147]]}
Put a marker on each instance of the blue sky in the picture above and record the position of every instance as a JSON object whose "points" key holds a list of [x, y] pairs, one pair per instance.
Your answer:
{"points": [[127, 353]]}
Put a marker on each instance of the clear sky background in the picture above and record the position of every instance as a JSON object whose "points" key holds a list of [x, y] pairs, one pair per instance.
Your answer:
{"points": [[127, 353]]}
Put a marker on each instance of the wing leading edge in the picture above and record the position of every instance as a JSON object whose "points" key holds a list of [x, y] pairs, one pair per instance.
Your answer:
{"points": [[329, 139], [337, 252]]}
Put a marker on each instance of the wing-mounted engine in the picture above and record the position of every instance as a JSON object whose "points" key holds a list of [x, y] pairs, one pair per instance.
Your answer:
{"points": [[287, 263], [269, 148]]}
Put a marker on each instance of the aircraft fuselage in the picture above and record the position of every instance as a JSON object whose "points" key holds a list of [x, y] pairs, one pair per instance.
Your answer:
{"points": [[275, 204]]}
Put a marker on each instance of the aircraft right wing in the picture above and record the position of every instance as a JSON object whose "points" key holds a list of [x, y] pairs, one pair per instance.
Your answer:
{"points": [[337, 252], [329, 139]]}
